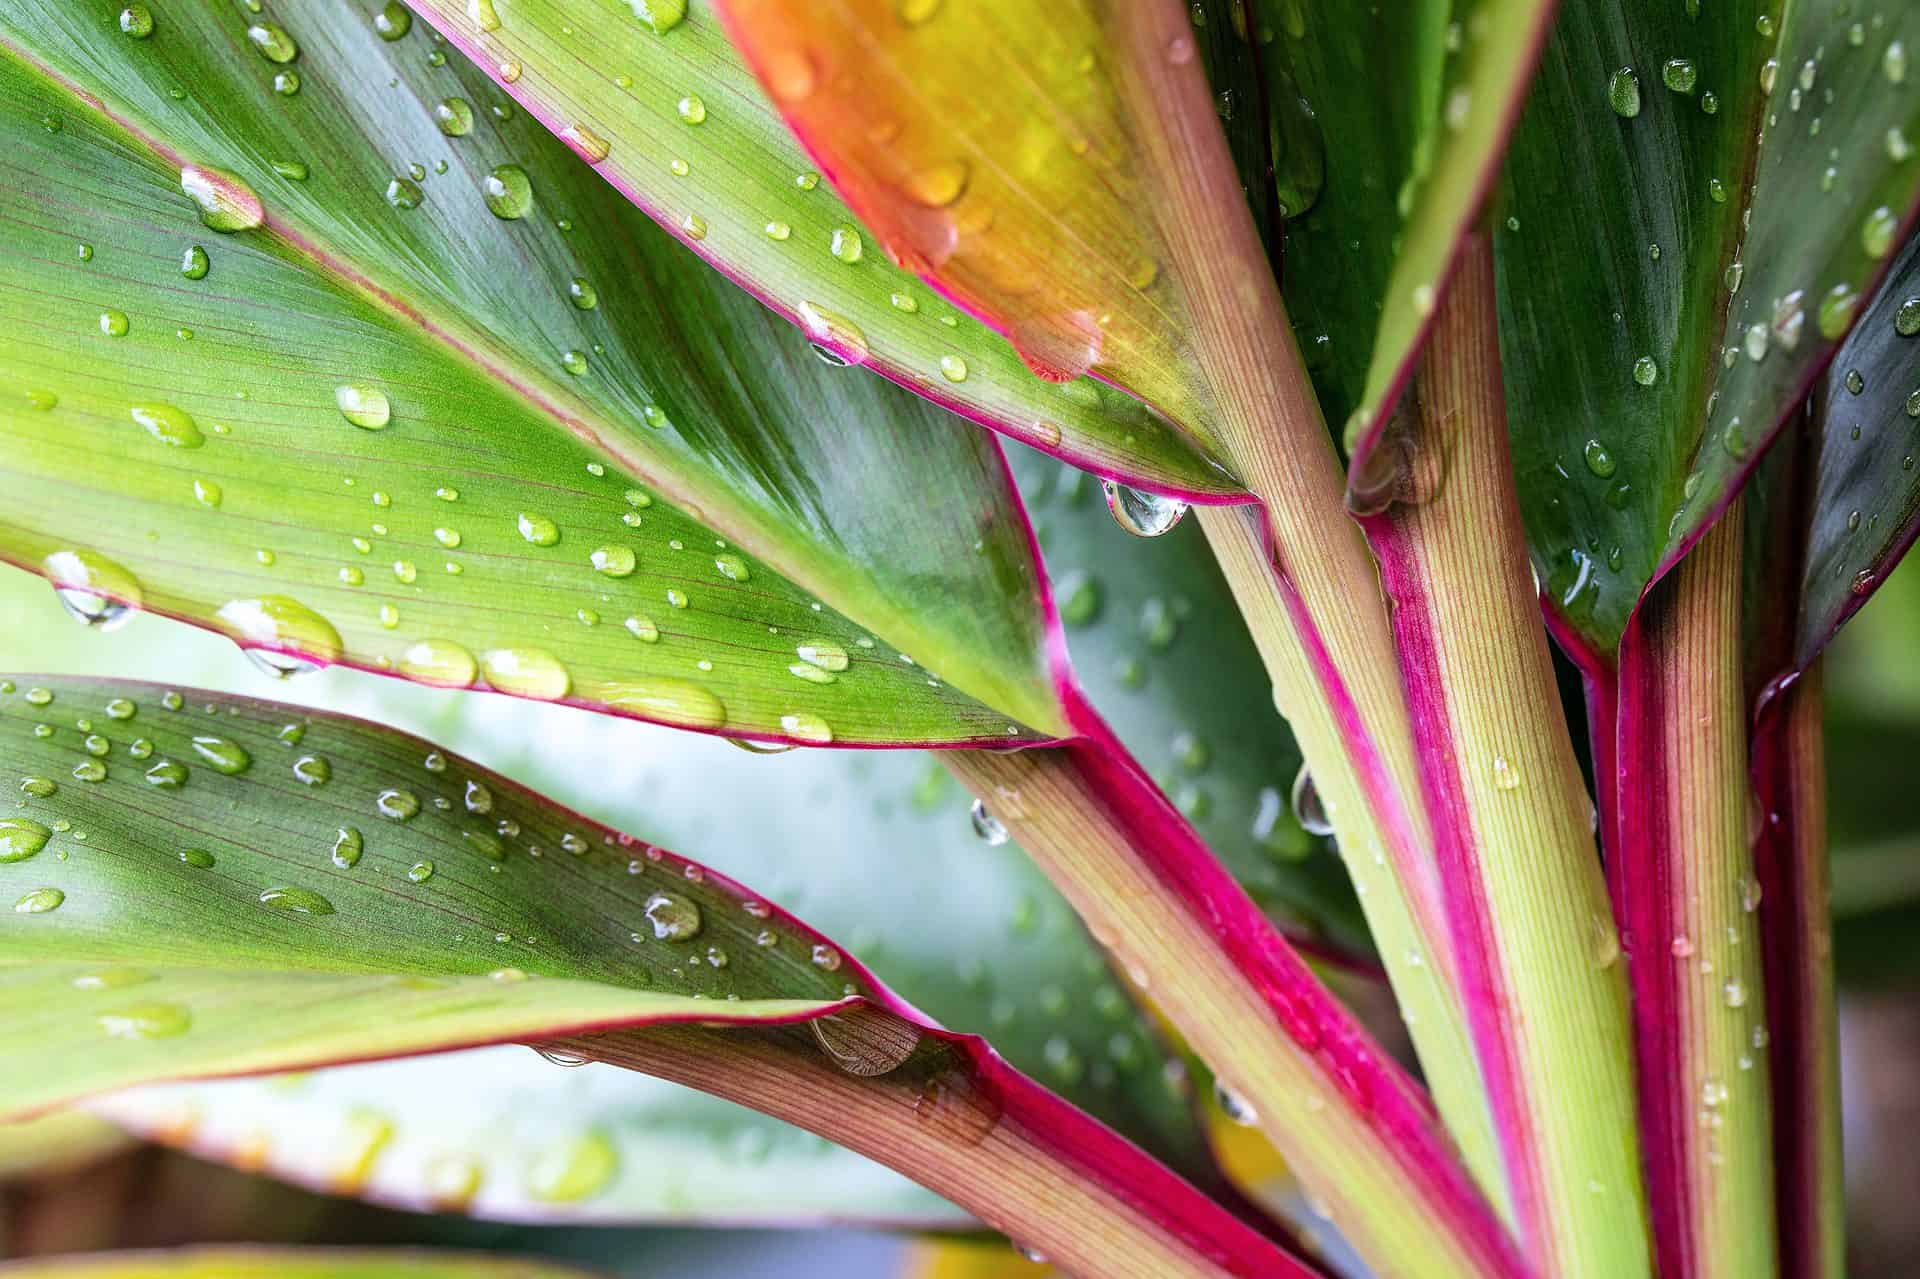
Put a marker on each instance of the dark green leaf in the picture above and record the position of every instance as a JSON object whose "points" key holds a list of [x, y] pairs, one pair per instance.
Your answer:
{"points": [[1696, 202]]}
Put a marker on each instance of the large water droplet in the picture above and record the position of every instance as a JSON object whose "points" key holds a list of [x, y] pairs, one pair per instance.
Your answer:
{"points": [[366, 407], [1623, 93], [273, 42], [222, 754], [985, 825], [144, 1021], [1307, 807], [21, 838], [1234, 1106], [674, 918], [282, 625], [296, 901], [508, 191], [39, 901], [1142, 514], [225, 201], [526, 672], [669, 701], [94, 590], [866, 1041], [441, 663]]}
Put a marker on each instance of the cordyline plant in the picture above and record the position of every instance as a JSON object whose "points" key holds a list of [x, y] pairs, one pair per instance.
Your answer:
{"points": [[385, 337]]}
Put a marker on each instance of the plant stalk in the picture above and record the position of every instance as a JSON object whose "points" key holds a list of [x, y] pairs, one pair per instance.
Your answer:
{"points": [[1299, 567], [1354, 1128], [1533, 930], [1789, 771], [951, 1115], [1684, 874]]}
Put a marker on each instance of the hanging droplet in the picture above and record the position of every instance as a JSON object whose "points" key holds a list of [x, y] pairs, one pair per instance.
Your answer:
{"points": [[94, 590], [1234, 1106], [985, 825], [1140, 513], [1307, 807]]}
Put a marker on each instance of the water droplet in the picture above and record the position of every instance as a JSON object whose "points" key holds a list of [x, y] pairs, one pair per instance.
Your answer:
{"points": [[1234, 1106], [1894, 63], [662, 15], [275, 624], [1679, 74], [167, 774], [526, 672], [1141, 513], [847, 244], [1645, 371], [404, 193], [420, 872], [454, 116], [221, 754], [295, 900], [825, 957], [114, 323], [136, 20], [21, 838], [1307, 808], [538, 529], [613, 561], [313, 770], [94, 590], [731, 567], [824, 654], [198, 858], [691, 109], [39, 901], [1877, 232], [225, 201], [508, 192], [807, 728], [1598, 459], [866, 1041], [396, 805], [986, 825], [142, 1021], [1623, 93], [273, 42], [168, 424], [393, 21], [364, 406], [674, 918], [587, 144]]}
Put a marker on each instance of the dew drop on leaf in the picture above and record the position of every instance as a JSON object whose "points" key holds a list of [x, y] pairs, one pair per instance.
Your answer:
{"points": [[1307, 807], [296, 901], [986, 826], [1140, 513]]}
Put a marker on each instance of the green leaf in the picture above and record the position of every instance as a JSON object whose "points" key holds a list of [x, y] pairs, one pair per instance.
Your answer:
{"points": [[1007, 958], [489, 1132], [1389, 126], [1696, 202], [793, 508], [199, 926], [237, 886], [288, 1263], [1864, 490], [690, 134]]}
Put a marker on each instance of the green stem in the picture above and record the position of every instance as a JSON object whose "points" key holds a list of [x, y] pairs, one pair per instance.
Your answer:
{"points": [[1533, 931], [1684, 881]]}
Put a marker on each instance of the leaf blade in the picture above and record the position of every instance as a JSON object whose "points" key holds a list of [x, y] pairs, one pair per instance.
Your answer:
{"points": [[748, 457]]}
